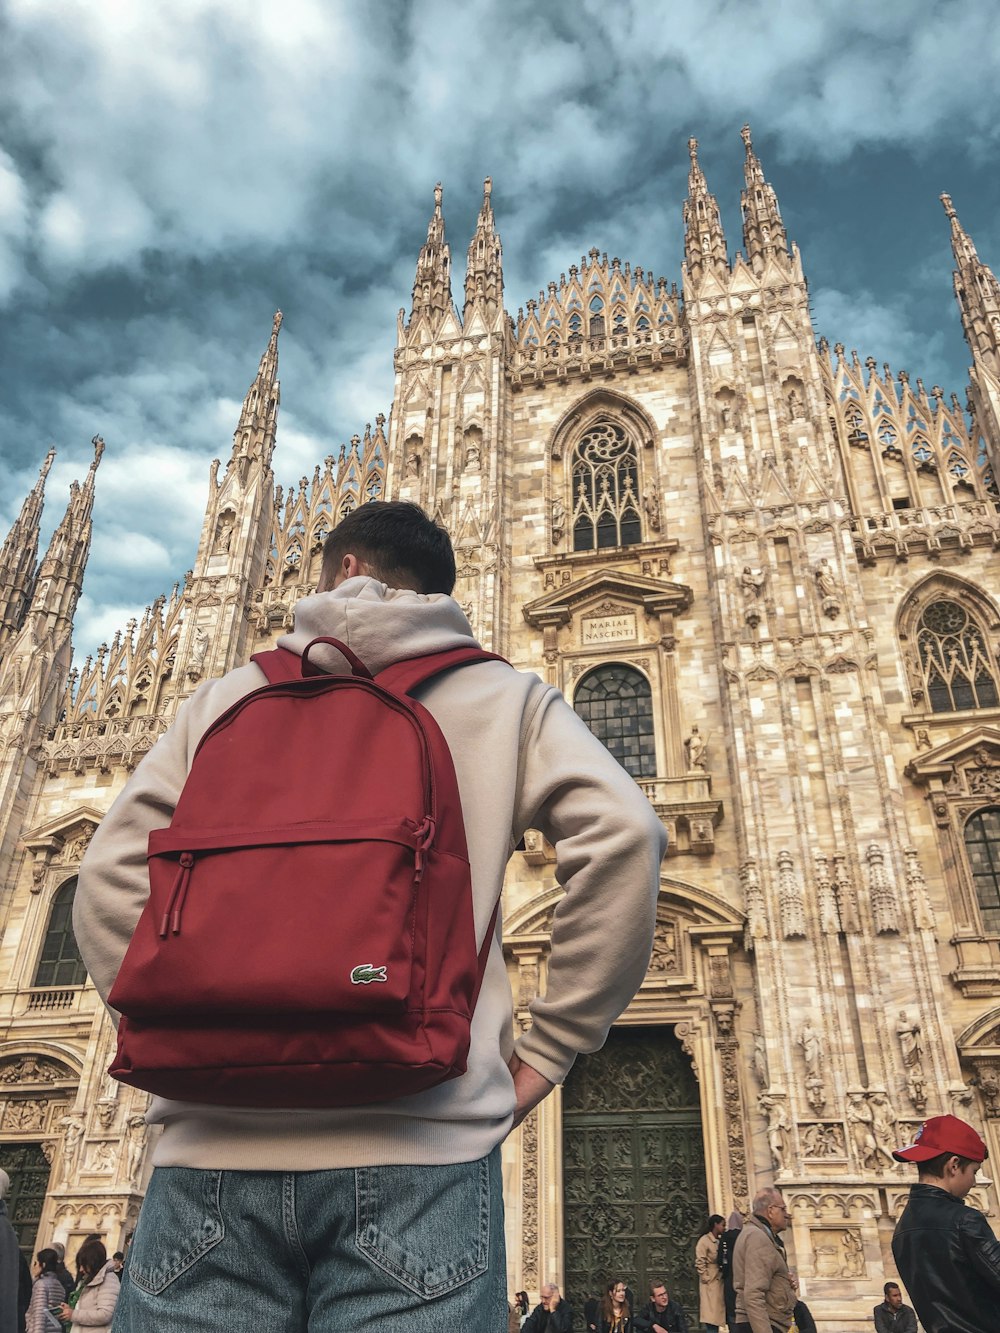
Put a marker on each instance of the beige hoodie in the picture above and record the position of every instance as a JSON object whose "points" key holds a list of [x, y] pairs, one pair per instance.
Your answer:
{"points": [[523, 760]]}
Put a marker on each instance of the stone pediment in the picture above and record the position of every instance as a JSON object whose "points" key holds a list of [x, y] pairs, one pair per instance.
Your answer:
{"points": [[979, 747], [607, 587], [67, 829]]}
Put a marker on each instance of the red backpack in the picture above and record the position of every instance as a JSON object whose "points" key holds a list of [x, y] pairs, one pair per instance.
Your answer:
{"points": [[308, 940]]}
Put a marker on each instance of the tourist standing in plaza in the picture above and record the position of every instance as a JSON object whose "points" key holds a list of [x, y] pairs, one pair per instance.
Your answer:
{"points": [[391, 1211], [46, 1292], [765, 1295], [711, 1298], [944, 1250]]}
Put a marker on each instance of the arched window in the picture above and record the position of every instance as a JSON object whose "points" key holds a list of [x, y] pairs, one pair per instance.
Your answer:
{"points": [[60, 963], [616, 703], [605, 489], [982, 847], [954, 659]]}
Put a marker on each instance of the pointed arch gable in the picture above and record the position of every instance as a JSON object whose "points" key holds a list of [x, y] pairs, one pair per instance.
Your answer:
{"points": [[603, 403], [699, 909]]}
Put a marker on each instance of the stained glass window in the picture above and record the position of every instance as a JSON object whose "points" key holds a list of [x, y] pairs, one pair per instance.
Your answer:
{"points": [[605, 490], [954, 659], [616, 703], [60, 963], [982, 847]]}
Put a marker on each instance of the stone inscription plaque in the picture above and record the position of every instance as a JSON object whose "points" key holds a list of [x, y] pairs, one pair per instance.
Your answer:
{"points": [[608, 629]]}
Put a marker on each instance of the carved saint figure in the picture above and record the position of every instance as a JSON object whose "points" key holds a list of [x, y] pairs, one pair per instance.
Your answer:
{"points": [[413, 464], [695, 747], [824, 579], [651, 507], [472, 456], [759, 1059], [911, 1040], [778, 1126], [861, 1120], [558, 520], [73, 1137], [199, 651], [225, 538], [136, 1146], [812, 1048], [884, 1125], [751, 582]]}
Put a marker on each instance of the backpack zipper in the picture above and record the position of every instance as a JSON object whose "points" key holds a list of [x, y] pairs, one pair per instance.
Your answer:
{"points": [[171, 922]]}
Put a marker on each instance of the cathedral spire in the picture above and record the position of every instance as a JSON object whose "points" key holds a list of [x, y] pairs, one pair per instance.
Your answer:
{"points": [[484, 268], [258, 423], [60, 575], [704, 240], [432, 285], [763, 230], [978, 293], [19, 557]]}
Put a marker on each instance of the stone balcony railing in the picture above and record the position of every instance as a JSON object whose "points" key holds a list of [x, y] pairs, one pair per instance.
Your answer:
{"points": [[897, 533], [586, 356]]}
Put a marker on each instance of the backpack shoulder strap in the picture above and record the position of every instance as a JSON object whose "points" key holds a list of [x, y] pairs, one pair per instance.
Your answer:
{"points": [[279, 665], [404, 677]]}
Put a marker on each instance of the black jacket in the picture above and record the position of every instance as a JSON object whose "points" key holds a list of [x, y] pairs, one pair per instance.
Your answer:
{"points": [[949, 1260], [802, 1315], [671, 1318], [559, 1320], [888, 1320]]}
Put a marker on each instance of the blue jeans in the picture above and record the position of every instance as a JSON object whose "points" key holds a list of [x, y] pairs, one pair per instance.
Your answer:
{"points": [[419, 1248]]}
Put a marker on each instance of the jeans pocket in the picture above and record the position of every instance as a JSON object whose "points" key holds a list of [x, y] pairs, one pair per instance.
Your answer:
{"points": [[428, 1227], [181, 1221]]}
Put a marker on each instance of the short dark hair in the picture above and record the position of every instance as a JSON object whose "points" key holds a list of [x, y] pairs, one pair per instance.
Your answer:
{"points": [[890, 1286], [48, 1260], [91, 1257], [934, 1166], [712, 1220], [398, 542], [118, 1255]]}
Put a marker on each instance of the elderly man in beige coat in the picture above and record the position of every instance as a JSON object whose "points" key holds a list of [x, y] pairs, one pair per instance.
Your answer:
{"points": [[765, 1296]]}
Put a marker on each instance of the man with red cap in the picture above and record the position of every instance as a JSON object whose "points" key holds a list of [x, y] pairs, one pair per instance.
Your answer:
{"points": [[945, 1252]]}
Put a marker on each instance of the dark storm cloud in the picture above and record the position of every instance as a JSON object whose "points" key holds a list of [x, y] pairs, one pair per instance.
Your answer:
{"points": [[170, 175]]}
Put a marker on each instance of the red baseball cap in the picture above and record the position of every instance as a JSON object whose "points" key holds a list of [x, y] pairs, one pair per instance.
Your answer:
{"points": [[944, 1133]]}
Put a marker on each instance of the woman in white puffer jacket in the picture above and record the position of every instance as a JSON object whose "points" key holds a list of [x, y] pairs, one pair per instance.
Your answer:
{"points": [[95, 1306]]}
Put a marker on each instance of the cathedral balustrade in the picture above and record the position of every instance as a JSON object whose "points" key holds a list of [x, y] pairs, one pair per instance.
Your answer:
{"points": [[959, 525], [577, 355]]}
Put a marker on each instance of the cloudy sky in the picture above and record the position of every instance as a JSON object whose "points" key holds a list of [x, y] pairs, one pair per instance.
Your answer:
{"points": [[171, 173]]}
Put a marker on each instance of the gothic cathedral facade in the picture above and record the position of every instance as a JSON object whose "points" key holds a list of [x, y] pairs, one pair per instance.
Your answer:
{"points": [[767, 576]]}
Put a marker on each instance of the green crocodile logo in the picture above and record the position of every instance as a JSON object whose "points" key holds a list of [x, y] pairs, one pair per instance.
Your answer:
{"points": [[365, 973]]}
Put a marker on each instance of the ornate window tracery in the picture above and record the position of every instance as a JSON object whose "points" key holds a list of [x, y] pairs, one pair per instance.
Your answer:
{"points": [[616, 703], [59, 963], [954, 659], [605, 489], [982, 848]]}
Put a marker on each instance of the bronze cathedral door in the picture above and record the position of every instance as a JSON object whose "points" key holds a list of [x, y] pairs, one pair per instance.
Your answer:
{"points": [[633, 1169]]}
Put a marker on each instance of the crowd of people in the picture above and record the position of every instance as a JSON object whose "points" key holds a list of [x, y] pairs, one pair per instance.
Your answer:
{"points": [[49, 1298]]}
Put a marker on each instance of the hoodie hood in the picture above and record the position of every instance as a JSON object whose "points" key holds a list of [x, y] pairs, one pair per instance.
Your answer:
{"points": [[382, 625]]}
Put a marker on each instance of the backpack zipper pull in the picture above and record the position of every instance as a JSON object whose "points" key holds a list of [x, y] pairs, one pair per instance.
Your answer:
{"points": [[172, 916], [425, 836]]}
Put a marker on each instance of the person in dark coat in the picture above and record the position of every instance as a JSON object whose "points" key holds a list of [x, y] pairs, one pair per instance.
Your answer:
{"points": [[727, 1243], [551, 1315], [892, 1316], [945, 1252], [661, 1314], [15, 1275], [61, 1271]]}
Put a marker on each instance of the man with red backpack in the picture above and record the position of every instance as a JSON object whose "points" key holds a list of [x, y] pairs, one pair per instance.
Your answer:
{"points": [[294, 907]]}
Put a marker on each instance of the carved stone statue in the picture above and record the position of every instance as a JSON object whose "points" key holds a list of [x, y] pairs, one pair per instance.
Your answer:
{"points": [[812, 1048], [199, 651], [136, 1147], [651, 507], [911, 1040], [413, 464], [861, 1121], [884, 1125], [825, 581], [778, 1126], [225, 538], [558, 520], [751, 582], [73, 1127], [854, 1254], [759, 1059], [695, 747]]}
